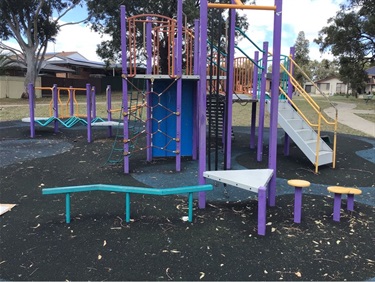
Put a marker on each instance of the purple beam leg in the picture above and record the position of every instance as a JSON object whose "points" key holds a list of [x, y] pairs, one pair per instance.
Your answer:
{"points": [[88, 102], [55, 107], [71, 100], [195, 102], [252, 127], [336, 207], [179, 84], [350, 202], [109, 107], [148, 89], [272, 159], [202, 101], [253, 106], [297, 204], [262, 101], [262, 210], [124, 105]]}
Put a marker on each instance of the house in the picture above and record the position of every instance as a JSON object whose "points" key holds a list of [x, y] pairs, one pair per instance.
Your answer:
{"points": [[63, 68], [329, 86], [333, 85], [370, 87], [79, 66]]}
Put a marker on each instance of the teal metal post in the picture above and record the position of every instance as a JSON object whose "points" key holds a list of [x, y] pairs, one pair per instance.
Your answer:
{"points": [[127, 207], [67, 207], [190, 207]]}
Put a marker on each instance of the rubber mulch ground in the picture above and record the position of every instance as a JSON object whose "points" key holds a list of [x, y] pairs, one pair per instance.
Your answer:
{"points": [[220, 244]]}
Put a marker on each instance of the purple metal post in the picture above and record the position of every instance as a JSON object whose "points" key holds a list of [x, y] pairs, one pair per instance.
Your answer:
{"points": [[290, 95], [93, 102], [230, 84], [55, 107], [148, 88], [88, 103], [31, 91], [254, 106], [71, 100], [297, 204], [336, 207], [272, 160], [262, 210], [124, 88], [262, 102], [108, 93], [350, 202], [202, 95], [195, 97], [179, 85]]}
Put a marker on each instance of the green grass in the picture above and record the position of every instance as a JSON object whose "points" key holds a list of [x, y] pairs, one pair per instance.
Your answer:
{"points": [[16, 109]]}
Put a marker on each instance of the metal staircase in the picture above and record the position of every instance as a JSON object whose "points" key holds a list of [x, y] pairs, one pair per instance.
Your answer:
{"points": [[303, 135]]}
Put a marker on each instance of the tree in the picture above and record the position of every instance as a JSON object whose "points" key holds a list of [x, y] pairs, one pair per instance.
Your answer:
{"points": [[30, 23], [5, 61], [323, 69], [301, 57], [350, 36], [106, 20]]}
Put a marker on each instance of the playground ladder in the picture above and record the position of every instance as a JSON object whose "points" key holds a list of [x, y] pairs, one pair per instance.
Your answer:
{"points": [[303, 135], [116, 155]]}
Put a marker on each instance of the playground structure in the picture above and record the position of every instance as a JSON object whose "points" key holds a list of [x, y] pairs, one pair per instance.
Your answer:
{"points": [[181, 96], [65, 110], [177, 105]]}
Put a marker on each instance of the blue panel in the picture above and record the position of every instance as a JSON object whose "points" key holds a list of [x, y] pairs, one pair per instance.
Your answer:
{"points": [[164, 121]]}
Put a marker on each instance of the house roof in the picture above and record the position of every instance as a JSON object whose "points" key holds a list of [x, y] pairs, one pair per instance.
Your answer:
{"points": [[371, 71], [45, 67], [72, 58], [326, 79]]}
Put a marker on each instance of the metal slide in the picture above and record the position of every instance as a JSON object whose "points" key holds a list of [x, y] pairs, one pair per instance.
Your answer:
{"points": [[303, 135]]}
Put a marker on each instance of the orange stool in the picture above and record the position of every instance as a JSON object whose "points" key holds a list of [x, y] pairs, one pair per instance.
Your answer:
{"points": [[298, 185], [338, 191]]}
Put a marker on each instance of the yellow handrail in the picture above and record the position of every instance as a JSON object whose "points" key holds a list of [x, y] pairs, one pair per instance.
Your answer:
{"points": [[317, 109]]}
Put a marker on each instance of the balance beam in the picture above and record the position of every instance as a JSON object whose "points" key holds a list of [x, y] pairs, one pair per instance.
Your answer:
{"points": [[67, 190]]}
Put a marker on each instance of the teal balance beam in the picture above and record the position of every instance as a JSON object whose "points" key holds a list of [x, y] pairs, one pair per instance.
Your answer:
{"points": [[67, 190]]}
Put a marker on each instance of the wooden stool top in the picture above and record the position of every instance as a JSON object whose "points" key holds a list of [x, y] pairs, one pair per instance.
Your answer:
{"points": [[344, 190], [298, 183]]}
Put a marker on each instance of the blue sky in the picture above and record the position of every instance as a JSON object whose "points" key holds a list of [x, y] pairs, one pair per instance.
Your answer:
{"points": [[297, 15]]}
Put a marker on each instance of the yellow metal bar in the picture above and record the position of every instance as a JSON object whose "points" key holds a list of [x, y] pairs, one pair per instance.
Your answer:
{"points": [[318, 144], [241, 6]]}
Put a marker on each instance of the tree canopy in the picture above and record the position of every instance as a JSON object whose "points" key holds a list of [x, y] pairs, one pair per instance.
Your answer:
{"points": [[31, 24], [105, 18], [350, 36], [301, 57]]}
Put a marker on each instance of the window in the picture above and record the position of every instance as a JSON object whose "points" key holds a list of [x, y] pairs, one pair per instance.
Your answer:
{"points": [[340, 88]]}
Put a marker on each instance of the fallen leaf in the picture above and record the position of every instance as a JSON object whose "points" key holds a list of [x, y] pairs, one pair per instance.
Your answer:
{"points": [[104, 243], [175, 251], [99, 257], [265, 271], [201, 275], [298, 274]]}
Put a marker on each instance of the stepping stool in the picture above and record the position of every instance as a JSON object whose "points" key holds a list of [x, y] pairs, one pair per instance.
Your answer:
{"points": [[338, 191], [298, 185]]}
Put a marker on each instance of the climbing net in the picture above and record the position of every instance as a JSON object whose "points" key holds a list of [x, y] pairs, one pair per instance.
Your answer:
{"points": [[148, 114]]}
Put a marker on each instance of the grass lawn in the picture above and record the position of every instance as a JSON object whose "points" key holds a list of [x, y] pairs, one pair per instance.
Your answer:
{"points": [[16, 109]]}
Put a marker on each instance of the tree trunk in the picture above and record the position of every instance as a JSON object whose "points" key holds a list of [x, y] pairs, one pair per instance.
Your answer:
{"points": [[31, 63]]}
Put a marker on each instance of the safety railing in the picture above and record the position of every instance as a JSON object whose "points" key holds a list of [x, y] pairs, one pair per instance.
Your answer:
{"points": [[321, 119], [163, 46]]}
